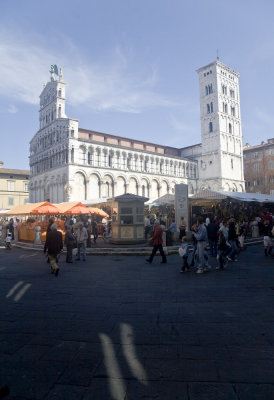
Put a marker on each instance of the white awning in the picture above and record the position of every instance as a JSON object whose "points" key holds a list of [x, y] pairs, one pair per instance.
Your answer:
{"points": [[166, 199], [241, 196]]}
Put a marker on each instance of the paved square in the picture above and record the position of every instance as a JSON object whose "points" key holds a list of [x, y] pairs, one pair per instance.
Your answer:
{"points": [[116, 328]]}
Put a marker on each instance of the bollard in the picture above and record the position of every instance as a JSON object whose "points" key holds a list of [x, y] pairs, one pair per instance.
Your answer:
{"points": [[37, 235]]}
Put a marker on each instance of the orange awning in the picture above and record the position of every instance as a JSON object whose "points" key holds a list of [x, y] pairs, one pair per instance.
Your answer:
{"points": [[98, 211], [63, 207], [46, 208], [25, 209], [74, 208]]}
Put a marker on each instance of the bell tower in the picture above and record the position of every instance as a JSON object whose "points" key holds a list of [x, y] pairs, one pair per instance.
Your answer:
{"points": [[221, 161], [53, 98]]}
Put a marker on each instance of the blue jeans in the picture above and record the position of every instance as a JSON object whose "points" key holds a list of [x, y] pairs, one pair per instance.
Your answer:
{"points": [[81, 249], [232, 253], [201, 252], [222, 259]]}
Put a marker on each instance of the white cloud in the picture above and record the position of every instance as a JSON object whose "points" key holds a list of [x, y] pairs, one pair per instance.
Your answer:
{"points": [[12, 109], [110, 85]]}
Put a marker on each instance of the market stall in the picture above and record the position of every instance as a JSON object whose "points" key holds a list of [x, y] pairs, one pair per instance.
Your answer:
{"points": [[162, 208], [31, 216], [224, 205], [37, 214]]}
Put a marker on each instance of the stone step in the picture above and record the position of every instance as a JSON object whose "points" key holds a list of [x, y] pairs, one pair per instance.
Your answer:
{"points": [[127, 251]]}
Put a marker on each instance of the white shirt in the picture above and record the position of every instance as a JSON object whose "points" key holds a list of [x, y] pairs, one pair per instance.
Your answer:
{"points": [[147, 222]]}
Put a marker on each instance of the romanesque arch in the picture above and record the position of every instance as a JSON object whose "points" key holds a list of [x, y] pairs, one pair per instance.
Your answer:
{"points": [[155, 189], [107, 186], [80, 187], [120, 186], [234, 187], [165, 188], [145, 187], [94, 186], [132, 185]]}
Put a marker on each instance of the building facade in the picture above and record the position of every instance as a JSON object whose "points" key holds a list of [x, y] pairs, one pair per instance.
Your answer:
{"points": [[259, 167], [14, 187], [69, 163]]}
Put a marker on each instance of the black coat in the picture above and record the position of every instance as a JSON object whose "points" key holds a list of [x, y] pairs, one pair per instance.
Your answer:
{"points": [[212, 231], [54, 243], [232, 232]]}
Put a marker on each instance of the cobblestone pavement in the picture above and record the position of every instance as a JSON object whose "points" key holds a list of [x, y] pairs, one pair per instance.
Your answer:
{"points": [[114, 328]]}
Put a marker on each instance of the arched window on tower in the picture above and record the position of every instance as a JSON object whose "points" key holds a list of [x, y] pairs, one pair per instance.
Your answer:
{"points": [[59, 112], [229, 128], [59, 93], [210, 127]]}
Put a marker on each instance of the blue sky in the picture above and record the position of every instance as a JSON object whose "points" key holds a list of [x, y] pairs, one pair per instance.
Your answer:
{"points": [[130, 66]]}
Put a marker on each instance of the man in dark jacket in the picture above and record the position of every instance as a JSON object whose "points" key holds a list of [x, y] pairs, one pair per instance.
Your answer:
{"points": [[54, 245], [212, 234]]}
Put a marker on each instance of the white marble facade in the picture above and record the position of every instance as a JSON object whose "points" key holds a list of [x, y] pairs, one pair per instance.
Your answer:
{"points": [[72, 164]]}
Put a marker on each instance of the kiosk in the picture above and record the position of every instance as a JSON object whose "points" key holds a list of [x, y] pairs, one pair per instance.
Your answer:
{"points": [[127, 213]]}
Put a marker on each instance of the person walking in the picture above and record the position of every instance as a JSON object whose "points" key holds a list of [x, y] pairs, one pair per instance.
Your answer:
{"points": [[212, 233], [11, 228], [224, 229], [184, 253], [51, 221], [94, 230], [267, 237], [182, 228], [232, 238], [69, 239], [221, 251], [81, 236], [157, 243], [54, 245], [147, 226], [172, 229], [201, 237]]}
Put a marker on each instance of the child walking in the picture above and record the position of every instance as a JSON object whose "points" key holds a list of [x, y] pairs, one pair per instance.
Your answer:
{"points": [[184, 253], [8, 241]]}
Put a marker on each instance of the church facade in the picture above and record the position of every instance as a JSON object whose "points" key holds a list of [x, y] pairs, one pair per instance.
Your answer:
{"points": [[68, 163]]}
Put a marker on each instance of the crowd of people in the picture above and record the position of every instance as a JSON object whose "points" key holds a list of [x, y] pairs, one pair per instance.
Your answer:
{"points": [[79, 232], [221, 239], [211, 237], [7, 229]]}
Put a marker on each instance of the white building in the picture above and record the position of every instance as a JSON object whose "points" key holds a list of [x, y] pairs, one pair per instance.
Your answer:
{"points": [[69, 163]]}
